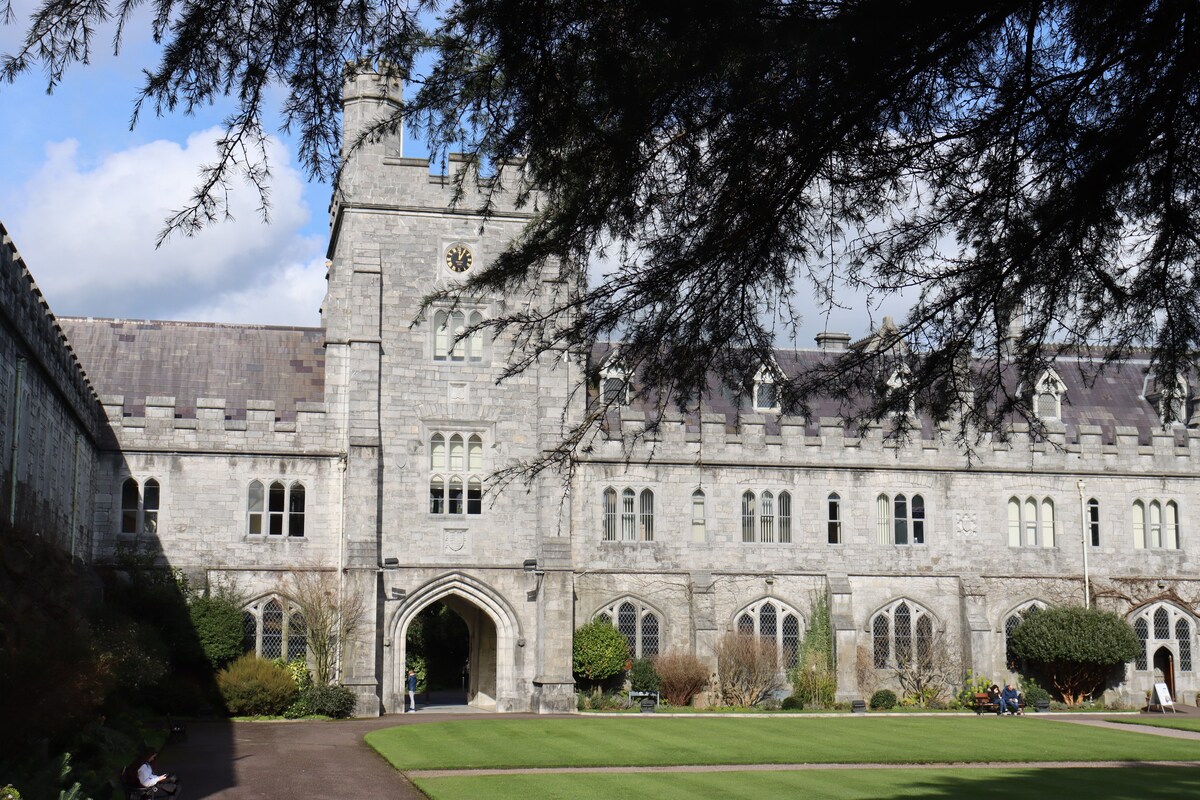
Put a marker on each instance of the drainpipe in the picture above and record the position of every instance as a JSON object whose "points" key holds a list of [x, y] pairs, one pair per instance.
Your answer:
{"points": [[341, 566], [16, 441], [1087, 589]]}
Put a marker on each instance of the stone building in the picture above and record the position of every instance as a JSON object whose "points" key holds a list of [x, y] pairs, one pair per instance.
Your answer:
{"points": [[363, 448]]}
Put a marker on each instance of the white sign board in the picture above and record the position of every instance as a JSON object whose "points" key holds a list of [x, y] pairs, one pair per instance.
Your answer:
{"points": [[1164, 696]]}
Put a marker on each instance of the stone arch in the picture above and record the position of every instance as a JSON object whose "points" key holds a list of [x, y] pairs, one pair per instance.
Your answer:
{"points": [[1017, 608], [749, 618], [496, 652], [639, 637], [938, 625]]}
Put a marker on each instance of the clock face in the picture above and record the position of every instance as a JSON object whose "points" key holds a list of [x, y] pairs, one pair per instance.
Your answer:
{"points": [[458, 258]]}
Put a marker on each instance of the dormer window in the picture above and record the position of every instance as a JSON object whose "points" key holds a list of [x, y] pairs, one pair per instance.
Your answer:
{"points": [[614, 382], [1048, 391], [766, 393], [898, 385], [1172, 407]]}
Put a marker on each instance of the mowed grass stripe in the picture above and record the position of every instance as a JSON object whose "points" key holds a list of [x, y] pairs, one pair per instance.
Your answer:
{"points": [[591, 742], [1137, 783], [1175, 723]]}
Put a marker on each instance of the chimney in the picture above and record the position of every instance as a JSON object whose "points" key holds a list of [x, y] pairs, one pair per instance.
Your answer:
{"points": [[832, 341]]}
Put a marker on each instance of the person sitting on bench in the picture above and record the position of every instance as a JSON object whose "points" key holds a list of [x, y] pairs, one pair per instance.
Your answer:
{"points": [[1010, 701]]}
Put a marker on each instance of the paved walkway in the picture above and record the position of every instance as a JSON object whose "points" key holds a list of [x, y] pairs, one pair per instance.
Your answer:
{"points": [[315, 760]]}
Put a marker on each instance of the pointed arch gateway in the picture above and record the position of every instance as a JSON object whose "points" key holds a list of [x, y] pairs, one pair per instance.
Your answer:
{"points": [[494, 636]]}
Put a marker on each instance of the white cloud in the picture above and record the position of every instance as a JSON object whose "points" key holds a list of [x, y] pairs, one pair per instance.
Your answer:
{"points": [[290, 295], [87, 232]]}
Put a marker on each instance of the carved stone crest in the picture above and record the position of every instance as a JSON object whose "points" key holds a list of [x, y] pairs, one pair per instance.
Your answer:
{"points": [[966, 523]]}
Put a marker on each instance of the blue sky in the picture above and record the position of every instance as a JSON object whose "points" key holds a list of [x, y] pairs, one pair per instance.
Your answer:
{"points": [[83, 198]]}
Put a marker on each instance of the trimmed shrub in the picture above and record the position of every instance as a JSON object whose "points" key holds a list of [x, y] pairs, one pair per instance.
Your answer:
{"points": [[1077, 648], [599, 651], [253, 686], [883, 699], [681, 676], [217, 621], [792, 703], [329, 700], [642, 676]]}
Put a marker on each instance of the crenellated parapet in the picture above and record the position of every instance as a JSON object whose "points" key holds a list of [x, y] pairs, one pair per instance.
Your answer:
{"points": [[781, 440], [163, 426]]}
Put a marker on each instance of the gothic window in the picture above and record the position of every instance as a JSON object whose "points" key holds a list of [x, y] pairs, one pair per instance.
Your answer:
{"points": [[1164, 625], [1030, 522], [901, 519], [766, 393], [1093, 521], [629, 510], [272, 627], [638, 623], [1171, 410], [276, 509], [139, 506], [899, 389], [1047, 395], [834, 518], [699, 533], [456, 473], [614, 382], [1155, 524], [776, 622], [901, 632], [451, 340], [1015, 618], [766, 517]]}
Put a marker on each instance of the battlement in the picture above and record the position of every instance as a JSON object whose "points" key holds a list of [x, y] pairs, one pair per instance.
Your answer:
{"points": [[794, 441], [163, 425], [33, 324]]}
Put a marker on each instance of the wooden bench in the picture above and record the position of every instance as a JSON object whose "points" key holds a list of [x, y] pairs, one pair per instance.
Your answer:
{"points": [[981, 704]]}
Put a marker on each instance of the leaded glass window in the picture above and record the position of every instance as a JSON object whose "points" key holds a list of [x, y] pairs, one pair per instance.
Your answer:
{"points": [[249, 632], [1162, 624], [902, 623], [1142, 630], [745, 625], [901, 631], [924, 642], [297, 636], [1183, 637], [767, 619], [272, 630], [773, 620], [790, 639], [881, 641], [640, 625]]}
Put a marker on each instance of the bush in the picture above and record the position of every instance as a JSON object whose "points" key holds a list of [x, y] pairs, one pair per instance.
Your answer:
{"points": [[642, 676], [747, 669], [1032, 691], [598, 651], [973, 685], [814, 680], [328, 700], [253, 686], [883, 700], [792, 703], [1079, 647], [681, 676], [217, 621]]}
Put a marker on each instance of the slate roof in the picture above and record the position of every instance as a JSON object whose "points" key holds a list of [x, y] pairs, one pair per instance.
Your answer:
{"points": [[1111, 397], [188, 360]]}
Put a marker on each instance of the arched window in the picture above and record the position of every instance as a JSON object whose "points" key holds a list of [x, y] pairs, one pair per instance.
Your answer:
{"points": [[1015, 618], [296, 509], [458, 327], [610, 514], [1093, 521], [614, 381], [272, 627], [775, 621], [441, 336], [766, 517], [638, 623], [276, 503], [766, 394], [901, 519], [1155, 524], [456, 480], [1030, 522], [646, 515], [1164, 624], [834, 518], [1047, 395], [628, 516], [699, 533], [139, 506], [901, 632], [256, 508], [475, 339]]}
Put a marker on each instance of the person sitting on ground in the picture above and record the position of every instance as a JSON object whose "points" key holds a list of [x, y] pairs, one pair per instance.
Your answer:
{"points": [[1010, 700], [165, 784]]}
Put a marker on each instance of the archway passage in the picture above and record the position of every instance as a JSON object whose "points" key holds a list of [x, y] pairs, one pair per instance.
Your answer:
{"points": [[451, 643], [1164, 668]]}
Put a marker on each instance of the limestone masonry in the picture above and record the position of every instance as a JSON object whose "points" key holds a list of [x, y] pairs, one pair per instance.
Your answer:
{"points": [[364, 448]]}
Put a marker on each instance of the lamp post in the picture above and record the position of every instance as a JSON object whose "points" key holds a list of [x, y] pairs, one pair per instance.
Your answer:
{"points": [[1087, 590]]}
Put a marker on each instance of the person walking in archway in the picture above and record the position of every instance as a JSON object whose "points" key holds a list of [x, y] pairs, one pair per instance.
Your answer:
{"points": [[411, 685]]}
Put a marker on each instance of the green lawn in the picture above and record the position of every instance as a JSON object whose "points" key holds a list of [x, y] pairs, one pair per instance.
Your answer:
{"points": [[1168, 721], [1141, 783], [641, 741]]}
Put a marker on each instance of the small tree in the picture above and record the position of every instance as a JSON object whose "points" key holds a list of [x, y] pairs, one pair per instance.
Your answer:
{"points": [[1075, 648], [598, 652], [747, 668], [331, 616], [217, 620], [930, 675]]}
